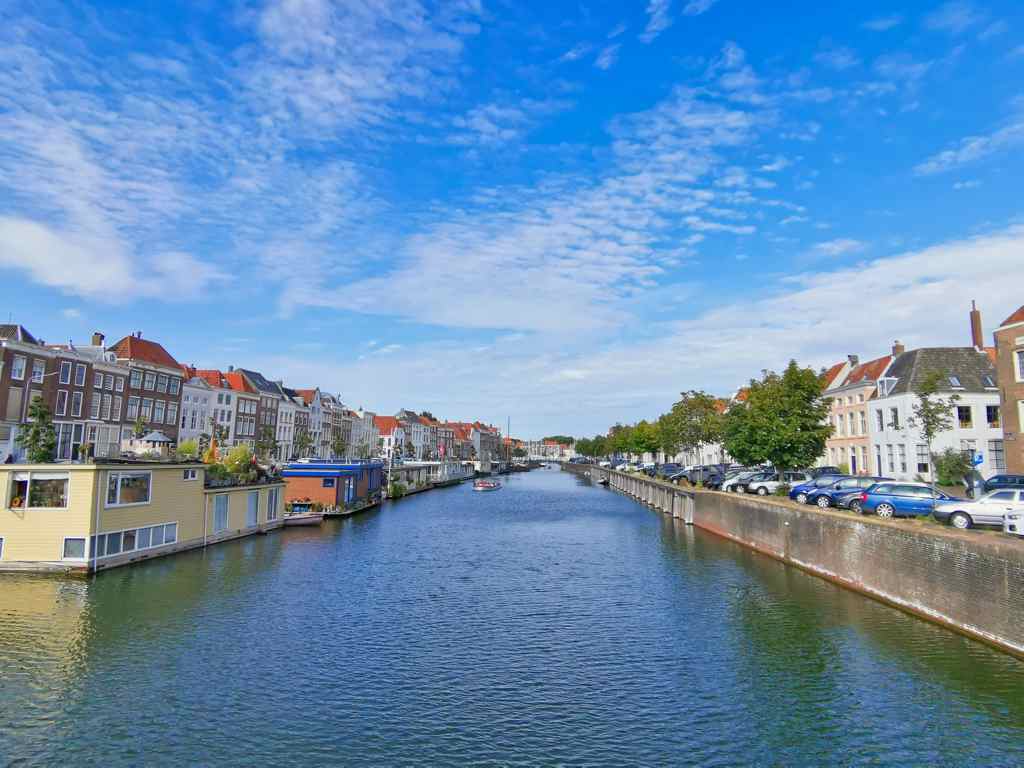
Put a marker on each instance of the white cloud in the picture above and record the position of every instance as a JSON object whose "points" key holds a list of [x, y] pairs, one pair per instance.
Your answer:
{"points": [[617, 30], [606, 59], [901, 67], [955, 17], [578, 51], [839, 247], [697, 7], [883, 23], [658, 19], [778, 164], [973, 149], [994, 29], [838, 58], [71, 313], [1017, 52], [794, 220], [969, 184]]}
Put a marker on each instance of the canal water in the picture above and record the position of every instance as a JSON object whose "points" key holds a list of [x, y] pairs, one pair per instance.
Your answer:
{"points": [[550, 623]]}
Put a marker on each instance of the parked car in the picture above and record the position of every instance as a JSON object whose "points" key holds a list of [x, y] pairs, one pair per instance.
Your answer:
{"points": [[668, 469], [716, 481], [799, 492], [990, 509], [819, 471], [770, 484], [1012, 482], [826, 496], [738, 484], [896, 499]]}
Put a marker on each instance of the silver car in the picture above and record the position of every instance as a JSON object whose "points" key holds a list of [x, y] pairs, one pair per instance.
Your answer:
{"points": [[771, 483], [991, 509]]}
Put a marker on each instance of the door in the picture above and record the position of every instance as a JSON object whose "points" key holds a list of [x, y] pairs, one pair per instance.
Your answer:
{"points": [[853, 461], [915, 500], [991, 509]]}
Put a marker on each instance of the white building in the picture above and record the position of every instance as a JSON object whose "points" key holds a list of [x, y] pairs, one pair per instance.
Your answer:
{"points": [[196, 406], [364, 434], [391, 437], [286, 416], [898, 449]]}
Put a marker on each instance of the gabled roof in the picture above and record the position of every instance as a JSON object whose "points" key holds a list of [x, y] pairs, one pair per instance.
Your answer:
{"points": [[830, 377], [211, 376], [238, 382], [386, 424], [1016, 317], [307, 395], [966, 363], [260, 382], [143, 351], [17, 333], [869, 371]]}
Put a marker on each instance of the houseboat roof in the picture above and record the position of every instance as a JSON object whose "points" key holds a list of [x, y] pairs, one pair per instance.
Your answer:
{"points": [[328, 468]]}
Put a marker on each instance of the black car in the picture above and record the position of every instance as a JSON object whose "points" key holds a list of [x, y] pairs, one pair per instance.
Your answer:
{"points": [[1009, 482], [667, 470], [830, 495], [819, 471]]}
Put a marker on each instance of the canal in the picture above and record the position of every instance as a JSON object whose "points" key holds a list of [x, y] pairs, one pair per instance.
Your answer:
{"points": [[549, 623]]}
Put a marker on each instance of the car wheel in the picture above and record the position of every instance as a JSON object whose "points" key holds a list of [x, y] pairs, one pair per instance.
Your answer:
{"points": [[885, 510], [802, 498], [762, 491], [855, 506], [824, 502], [960, 520]]}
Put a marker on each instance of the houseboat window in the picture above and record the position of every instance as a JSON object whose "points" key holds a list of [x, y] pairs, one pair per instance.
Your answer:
{"points": [[74, 549], [170, 533], [157, 535], [220, 512], [114, 543], [328, 482], [144, 538], [253, 510], [128, 488], [47, 490], [128, 541], [272, 500], [1, 548], [188, 474]]}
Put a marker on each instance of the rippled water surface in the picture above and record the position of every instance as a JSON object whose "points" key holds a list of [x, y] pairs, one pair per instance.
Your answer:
{"points": [[550, 623]]}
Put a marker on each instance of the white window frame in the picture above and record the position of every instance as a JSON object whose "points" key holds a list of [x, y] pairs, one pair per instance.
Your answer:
{"points": [[135, 379], [117, 504], [65, 372], [189, 475], [94, 407], [16, 373], [85, 549], [134, 413], [174, 385], [119, 384], [61, 408], [227, 512], [28, 488], [273, 499], [97, 380], [252, 510], [136, 548], [171, 417], [116, 414], [1018, 365], [146, 382], [76, 403], [1, 547], [80, 373], [161, 383], [38, 379], [159, 410], [108, 382]]}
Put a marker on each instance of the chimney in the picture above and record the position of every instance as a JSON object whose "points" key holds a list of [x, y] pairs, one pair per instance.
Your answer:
{"points": [[231, 369], [897, 348], [97, 339], [854, 360], [977, 339]]}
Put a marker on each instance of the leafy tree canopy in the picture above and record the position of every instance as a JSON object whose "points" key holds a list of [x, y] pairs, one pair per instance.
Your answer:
{"points": [[38, 437]]}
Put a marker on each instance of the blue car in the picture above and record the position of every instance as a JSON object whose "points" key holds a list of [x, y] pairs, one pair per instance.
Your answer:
{"points": [[897, 499], [832, 494], [802, 491]]}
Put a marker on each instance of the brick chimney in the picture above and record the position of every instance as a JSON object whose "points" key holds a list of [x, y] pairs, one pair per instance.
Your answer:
{"points": [[977, 338], [897, 348], [97, 339]]}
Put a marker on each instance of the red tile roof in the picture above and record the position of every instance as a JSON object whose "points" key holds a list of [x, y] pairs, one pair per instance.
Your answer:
{"points": [[742, 394], [238, 382], [307, 395], [828, 378], [1016, 317], [869, 371], [144, 350], [385, 424]]}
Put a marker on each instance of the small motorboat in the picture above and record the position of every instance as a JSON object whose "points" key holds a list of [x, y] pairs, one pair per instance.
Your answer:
{"points": [[486, 485], [306, 518]]}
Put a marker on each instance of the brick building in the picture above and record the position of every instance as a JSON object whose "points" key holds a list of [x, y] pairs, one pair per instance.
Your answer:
{"points": [[1009, 338]]}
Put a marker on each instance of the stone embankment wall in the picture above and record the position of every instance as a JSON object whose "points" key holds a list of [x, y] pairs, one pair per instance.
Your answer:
{"points": [[968, 581]]}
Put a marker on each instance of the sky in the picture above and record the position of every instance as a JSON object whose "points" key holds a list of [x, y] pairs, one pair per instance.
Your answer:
{"points": [[556, 213]]}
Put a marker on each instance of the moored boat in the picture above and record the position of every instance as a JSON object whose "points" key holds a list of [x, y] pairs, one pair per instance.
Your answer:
{"points": [[486, 485], [304, 518]]}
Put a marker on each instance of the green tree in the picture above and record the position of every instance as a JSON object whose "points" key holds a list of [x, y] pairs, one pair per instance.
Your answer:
{"points": [[560, 439], [38, 437], [644, 438], [694, 421], [239, 459], [303, 443], [266, 443], [188, 449], [951, 466], [339, 446], [139, 427], [519, 453], [782, 421], [932, 414]]}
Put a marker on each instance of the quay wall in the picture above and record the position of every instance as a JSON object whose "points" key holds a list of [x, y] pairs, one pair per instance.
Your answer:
{"points": [[968, 581]]}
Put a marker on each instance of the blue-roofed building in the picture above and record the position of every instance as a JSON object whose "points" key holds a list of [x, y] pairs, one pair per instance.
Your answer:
{"points": [[334, 485]]}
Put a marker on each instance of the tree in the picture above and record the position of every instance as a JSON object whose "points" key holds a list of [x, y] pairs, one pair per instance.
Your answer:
{"points": [[560, 439], [139, 427], [932, 415], [783, 420], [339, 446], [188, 449], [38, 437], [266, 443], [519, 453], [694, 421], [644, 438], [239, 459], [303, 443]]}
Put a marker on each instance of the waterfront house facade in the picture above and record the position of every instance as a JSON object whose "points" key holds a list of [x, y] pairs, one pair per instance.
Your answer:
{"points": [[364, 434], [197, 398], [898, 448], [153, 388], [246, 405], [390, 437], [268, 405], [849, 390], [1009, 340]]}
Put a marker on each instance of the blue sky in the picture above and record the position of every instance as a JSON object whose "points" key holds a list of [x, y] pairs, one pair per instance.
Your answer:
{"points": [[561, 213]]}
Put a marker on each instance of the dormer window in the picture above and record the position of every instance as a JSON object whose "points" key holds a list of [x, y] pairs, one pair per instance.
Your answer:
{"points": [[988, 381], [954, 382], [885, 386]]}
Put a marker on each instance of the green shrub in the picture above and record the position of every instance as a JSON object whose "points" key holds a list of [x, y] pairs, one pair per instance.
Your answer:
{"points": [[239, 460], [783, 489], [844, 468], [188, 449], [950, 466], [396, 490]]}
